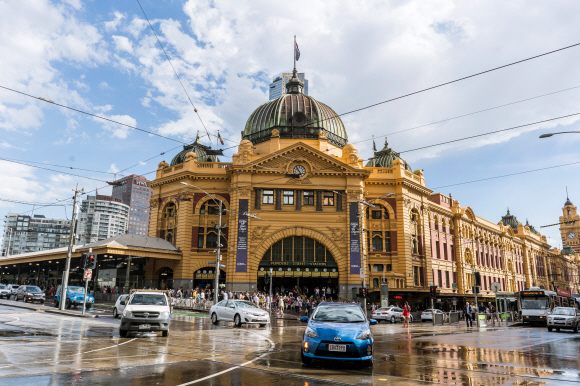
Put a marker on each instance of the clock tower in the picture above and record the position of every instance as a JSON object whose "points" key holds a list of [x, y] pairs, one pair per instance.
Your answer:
{"points": [[570, 226]]}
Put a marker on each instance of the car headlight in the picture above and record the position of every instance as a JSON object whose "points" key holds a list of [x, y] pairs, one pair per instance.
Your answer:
{"points": [[29, 294], [127, 314], [310, 333], [164, 314], [366, 334]]}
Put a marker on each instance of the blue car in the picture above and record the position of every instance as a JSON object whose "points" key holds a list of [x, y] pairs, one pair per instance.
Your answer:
{"points": [[337, 331], [74, 297]]}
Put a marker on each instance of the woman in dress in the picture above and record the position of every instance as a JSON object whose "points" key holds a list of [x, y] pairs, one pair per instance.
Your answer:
{"points": [[406, 315]]}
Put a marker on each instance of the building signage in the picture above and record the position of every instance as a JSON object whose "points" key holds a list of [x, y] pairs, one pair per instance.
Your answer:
{"points": [[242, 246], [354, 248], [533, 293], [563, 293]]}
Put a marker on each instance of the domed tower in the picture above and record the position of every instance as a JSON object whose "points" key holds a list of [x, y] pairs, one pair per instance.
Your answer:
{"points": [[199, 149], [295, 115], [385, 157]]}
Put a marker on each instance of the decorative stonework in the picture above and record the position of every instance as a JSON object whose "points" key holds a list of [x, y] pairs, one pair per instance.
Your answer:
{"points": [[162, 165], [154, 203], [245, 192], [322, 134], [338, 234], [354, 194], [275, 133], [259, 232]]}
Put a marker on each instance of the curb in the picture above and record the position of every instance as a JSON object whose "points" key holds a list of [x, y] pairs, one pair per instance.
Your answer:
{"points": [[40, 308]]}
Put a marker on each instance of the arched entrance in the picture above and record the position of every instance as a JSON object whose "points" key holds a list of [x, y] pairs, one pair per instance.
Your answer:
{"points": [[165, 278], [204, 277], [301, 262]]}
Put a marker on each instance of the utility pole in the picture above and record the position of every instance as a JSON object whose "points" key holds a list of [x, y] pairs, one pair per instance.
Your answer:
{"points": [[270, 305], [70, 247], [217, 255], [127, 286]]}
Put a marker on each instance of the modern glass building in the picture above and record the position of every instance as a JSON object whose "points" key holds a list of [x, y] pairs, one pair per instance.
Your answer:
{"points": [[278, 85], [24, 234], [134, 192], [102, 217]]}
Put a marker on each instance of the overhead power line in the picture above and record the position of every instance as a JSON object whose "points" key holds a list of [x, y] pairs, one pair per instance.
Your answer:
{"points": [[491, 132], [59, 166], [52, 170], [178, 78], [448, 83], [93, 115]]}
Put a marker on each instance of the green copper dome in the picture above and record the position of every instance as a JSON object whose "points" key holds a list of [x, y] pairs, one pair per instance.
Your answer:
{"points": [[385, 158], [510, 219], [295, 115], [198, 148]]}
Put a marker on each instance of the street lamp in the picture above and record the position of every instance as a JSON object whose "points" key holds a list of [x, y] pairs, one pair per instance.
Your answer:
{"points": [[562, 132], [219, 243]]}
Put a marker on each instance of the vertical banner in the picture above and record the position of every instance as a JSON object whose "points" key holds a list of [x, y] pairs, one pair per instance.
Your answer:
{"points": [[242, 245], [354, 252]]}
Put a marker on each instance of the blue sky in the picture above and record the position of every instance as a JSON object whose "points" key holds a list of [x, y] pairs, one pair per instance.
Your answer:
{"points": [[101, 57]]}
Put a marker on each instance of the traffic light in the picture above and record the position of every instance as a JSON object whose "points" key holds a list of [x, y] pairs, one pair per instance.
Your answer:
{"points": [[362, 292], [433, 291], [83, 260], [477, 279], [91, 262]]}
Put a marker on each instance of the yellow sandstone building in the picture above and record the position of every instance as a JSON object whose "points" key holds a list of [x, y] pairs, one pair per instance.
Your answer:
{"points": [[296, 200]]}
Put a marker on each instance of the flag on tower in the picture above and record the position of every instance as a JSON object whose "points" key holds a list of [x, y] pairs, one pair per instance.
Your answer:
{"points": [[297, 51], [220, 138]]}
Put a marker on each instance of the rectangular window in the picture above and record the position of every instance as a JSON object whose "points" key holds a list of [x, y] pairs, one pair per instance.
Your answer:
{"points": [[377, 268], [277, 251], [288, 197], [320, 252], [387, 241], [202, 209], [416, 275], [445, 251], [440, 278], [287, 249], [298, 249], [389, 267], [328, 199], [200, 238], [377, 241], [447, 281], [308, 197], [437, 249], [308, 249], [376, 214], [268, 197]]}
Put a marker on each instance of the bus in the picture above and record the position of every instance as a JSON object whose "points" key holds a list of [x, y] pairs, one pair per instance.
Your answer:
{"points": [[536, 304]]}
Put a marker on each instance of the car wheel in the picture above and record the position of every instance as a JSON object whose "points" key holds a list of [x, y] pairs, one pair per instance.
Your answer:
{"points": [[214, 318], [165, 333], [550, 329], [576, 328], [115, 314], [67, 304], [237, 320], [307, 361], [393, 319], [123, 333], [558, 329]]}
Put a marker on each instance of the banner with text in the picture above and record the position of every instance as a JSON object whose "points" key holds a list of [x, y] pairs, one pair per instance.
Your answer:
{"points": [[354, 250], [242, 246]]}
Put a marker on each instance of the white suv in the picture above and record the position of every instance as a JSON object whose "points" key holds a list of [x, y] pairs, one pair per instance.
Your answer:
{"points": [[146, 310]]}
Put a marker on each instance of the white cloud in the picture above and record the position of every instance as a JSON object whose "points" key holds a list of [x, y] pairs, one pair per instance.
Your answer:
{"points": [[122, 43], [116, 130], [104, 86], [113, 169], [113, 24]]}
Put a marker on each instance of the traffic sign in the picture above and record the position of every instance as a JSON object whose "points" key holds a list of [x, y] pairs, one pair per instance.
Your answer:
{"points": [[222, 265], [211, 262], [88, 274]]}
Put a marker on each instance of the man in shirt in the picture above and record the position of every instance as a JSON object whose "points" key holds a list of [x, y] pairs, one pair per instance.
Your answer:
{"points": [[467, 311]]}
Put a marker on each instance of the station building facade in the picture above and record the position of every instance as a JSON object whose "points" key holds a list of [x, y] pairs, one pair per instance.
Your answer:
{"points": [[294, 200]]}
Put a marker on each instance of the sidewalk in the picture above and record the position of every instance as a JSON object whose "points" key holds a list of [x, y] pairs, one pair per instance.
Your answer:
{"points": [[42, 308]]}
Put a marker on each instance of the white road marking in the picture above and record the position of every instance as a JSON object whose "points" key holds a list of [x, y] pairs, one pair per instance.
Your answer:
{"points": [[115, 345], [235, 367]]}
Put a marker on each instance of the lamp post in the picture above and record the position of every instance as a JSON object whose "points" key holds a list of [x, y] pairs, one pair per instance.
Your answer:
{"points": [[562, 132], [219, 243]]}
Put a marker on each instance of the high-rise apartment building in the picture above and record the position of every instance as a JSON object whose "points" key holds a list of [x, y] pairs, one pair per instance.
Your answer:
{"points": [[24, 234], [278, 85], [134, 192], [102, 217]]}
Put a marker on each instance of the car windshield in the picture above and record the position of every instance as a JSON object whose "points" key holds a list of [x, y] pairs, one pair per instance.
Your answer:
{"points": [[75, 290], [563, 311], [338, 314], [33, 289], [148, 299], [3, 287], [15, 286], [535, 304], [246, 305]]}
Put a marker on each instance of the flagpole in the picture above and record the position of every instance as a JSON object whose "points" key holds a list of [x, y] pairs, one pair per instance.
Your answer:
{"points": [[374, 152], [294, 49]]}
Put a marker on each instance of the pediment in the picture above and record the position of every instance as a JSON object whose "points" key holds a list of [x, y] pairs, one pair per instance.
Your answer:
{"points": [[313, 159]]}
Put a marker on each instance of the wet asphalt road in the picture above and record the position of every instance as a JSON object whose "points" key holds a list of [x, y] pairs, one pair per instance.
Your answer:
{"points": [[38, 348]]}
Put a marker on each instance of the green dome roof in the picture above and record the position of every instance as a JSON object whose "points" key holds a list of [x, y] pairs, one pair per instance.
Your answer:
{"points": [[198, 148], [385, 158], [295, 115], [510, 219]]}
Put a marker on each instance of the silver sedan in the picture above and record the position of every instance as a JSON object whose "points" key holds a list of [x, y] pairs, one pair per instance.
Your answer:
{"points": [[238, 311]]}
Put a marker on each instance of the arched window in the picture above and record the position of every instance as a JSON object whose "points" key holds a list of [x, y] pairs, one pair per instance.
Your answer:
{"points": [[379, 234], [298, 249], [207, 232], [170, 210]]}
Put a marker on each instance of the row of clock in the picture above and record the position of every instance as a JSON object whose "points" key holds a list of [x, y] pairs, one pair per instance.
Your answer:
{"points": [[571, 235]]}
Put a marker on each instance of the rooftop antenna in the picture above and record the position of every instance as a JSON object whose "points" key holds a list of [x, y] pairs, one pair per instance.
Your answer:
{"points": [[567, 198]]}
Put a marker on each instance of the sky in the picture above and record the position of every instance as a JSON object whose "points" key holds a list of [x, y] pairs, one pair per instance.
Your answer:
{"points": [[101, 57]]}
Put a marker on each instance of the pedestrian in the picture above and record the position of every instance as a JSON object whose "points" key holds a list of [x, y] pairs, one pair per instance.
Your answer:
{"points": [[406, 315], [467, 311]]}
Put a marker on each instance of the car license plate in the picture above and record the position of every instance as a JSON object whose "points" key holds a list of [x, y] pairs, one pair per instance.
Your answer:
{"points": [[337, 347], [144, 326]]}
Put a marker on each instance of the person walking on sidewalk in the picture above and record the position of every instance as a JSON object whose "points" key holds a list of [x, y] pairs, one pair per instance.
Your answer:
{"points": [[467, 311], [406, 315]]}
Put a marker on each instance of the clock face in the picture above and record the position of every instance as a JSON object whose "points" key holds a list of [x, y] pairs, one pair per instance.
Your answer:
{"points": [[571, 235], [300, 170]]}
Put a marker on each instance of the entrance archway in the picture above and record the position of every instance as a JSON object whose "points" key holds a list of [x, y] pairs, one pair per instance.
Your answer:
{"points": [[165, 278], [298, 262], [204, 277]]}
